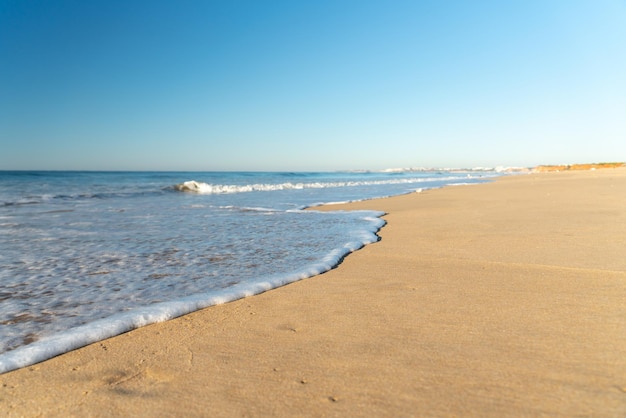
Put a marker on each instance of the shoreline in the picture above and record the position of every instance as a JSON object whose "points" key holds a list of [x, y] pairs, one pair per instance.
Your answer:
{"points": [[497, 298], [98, 329]]}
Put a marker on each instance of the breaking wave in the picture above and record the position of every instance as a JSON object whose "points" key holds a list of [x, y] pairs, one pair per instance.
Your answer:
{"points": [[206, 188]]}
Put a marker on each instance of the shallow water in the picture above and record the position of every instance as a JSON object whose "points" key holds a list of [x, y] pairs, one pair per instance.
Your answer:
{"points": [[87, 255]]}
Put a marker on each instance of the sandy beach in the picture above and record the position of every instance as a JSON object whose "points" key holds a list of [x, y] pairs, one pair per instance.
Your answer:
{"points": [[499, 299]]}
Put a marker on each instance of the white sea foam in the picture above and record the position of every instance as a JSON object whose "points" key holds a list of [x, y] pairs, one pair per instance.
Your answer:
{"points": [[98, 330], [206, 188]]}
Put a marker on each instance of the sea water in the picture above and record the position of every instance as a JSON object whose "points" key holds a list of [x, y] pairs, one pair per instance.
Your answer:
{"points": [[88, 255]]}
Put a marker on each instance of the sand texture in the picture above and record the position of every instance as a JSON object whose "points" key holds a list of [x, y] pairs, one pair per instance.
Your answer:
{"points": [[500, 299]]}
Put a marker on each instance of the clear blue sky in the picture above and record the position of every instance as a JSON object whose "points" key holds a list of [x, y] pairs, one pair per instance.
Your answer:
{"points": [[317, 85]]}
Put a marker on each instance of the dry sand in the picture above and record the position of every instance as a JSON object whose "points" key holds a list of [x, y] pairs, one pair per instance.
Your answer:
{"points": [[501, 299]]}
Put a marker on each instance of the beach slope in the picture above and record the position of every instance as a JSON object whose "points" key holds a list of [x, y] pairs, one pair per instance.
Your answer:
{"points": [[499, 299]]}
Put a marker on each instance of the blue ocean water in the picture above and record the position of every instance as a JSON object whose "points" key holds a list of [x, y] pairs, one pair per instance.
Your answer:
{"points": [[88, 255]]}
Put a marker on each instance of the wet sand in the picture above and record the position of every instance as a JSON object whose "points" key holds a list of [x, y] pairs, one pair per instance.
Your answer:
{"points": [[500, 299]]}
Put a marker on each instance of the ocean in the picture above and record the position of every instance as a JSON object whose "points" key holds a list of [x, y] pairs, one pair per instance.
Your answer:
{"points": [[88, 255]]}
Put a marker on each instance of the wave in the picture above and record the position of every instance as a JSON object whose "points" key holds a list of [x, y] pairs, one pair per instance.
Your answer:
{"points": [[47, 198], [206, 188]]}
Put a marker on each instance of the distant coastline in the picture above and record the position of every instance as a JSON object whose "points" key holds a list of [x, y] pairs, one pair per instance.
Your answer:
{"points": [[567, 167]]}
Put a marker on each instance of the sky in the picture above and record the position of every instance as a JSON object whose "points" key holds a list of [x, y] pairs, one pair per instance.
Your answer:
{"points": [[310, 85]]}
